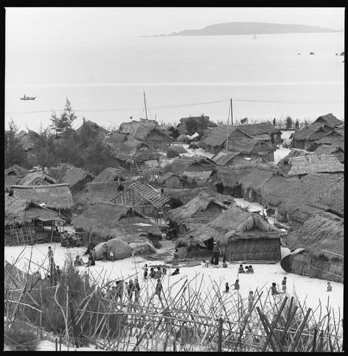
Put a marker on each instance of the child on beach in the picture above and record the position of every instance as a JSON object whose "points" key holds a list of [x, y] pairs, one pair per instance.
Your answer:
{"points": [[274, 290], [329, 287], [241, 269], [236, 285], [284, 284], [145, 271], [227, 287]]}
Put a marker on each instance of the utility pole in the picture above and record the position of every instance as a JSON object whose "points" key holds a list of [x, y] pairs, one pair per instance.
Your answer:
{"points": [[145, 106], [228, 122]]}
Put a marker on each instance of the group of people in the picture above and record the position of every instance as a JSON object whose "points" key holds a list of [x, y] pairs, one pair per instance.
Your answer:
{"points": [[274, 290], [248, 269], [79, 262], [157, 272]]}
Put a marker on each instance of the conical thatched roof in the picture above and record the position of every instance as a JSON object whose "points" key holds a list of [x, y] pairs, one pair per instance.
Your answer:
{"points": [[21, 211], [235, 223], [116, 221], [317, 236], [54, 196]]}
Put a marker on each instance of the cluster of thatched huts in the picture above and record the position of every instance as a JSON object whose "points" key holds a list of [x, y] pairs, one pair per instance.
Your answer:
{"points": [[155, 177]]}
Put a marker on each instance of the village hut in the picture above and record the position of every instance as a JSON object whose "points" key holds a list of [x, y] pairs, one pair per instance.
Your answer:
{"points": [[111, 174], [27, 222], [331, 150], [170, 180], [321, 188], [226, 158], [197, 168], [200, 210], [305, 137], [182, 196], [182, 138], [310, 163], [153, 136], [175, 151], [333, 138], [77, 178], [105, 220], [13, 175], [252, 147], [131, 152], [328, 120], [131, 127], [243, 236], [191, 125], [37, 178], [171, 130], [321, 240], [52, 196]]}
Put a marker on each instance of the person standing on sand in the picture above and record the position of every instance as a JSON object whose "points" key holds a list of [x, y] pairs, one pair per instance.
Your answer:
{"points": [[216, 254], [111, 253], [146, 271], [236, 285], [274, 290], [284, 284], [50, 258], [159, 289], [227, 287], [250, 300], [136, 290], [329, 287], [105, 252]]}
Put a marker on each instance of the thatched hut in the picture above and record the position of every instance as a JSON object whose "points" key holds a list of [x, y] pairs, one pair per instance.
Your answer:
{"points": [[105, 221], [311, 163], [324, 189], [182, 195], [121, 249], [77, 178], [243, 236], [13, 175], [322, 241], [305, 137], [200, 210], [28, 223], [226, 158], [328, 120], [193, 124], [37, 178], [153, 136], [53, 196], [170, 180], [111, 174], [331, 150]]}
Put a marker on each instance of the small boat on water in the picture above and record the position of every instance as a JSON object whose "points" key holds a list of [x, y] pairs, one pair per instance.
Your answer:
{"points": [[28, 97]]}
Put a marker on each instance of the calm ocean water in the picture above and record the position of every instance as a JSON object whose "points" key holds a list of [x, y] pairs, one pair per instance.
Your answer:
{"points": [[271, 76]]}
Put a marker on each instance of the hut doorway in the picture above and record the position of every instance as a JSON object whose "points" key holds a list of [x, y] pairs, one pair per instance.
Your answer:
{"points": [[219, 188]]}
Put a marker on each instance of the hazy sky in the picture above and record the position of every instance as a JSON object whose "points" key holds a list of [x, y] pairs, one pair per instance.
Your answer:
{"points": [[92, 23]]}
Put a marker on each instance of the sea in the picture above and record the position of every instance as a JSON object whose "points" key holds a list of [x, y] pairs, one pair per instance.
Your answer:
{"points": [[168, 78]]}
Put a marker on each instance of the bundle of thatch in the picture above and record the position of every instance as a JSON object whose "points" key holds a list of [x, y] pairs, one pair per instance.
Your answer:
{"points": [[142, 248], [121, 249]]}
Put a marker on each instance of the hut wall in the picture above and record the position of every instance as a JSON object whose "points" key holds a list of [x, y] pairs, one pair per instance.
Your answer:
{"points": [[317, 267], [261, 249], [156, 140]]}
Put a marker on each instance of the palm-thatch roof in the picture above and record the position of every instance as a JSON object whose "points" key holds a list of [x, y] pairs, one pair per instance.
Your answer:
{"points": [[258, 172], [131, 127], [109, 220], [27, 138], [37, 178], [248, 145], [101, 191], [314, 188], [20, 211], [334, 150], [313, 163], [74, 175], [94, 127], [261, 130], [192, 124], [235, 223], [319, 236], [132, 149], [175, 150], [115, 138], [184, 165], [272, 190], [110, 174], [196, 207], [164, 177], [328, 120], [311, 132], [223, 157], [54, 196], [143, 131], [16, 170]]}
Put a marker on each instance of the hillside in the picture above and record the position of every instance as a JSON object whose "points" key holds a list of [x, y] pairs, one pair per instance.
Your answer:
{"points": [[250, 28]]}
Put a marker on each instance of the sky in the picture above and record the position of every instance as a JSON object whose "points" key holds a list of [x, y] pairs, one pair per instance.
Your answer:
{"points": [[90, 23]]}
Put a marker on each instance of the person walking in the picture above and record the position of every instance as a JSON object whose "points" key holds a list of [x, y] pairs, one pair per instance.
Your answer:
{"points": [[146, 271], [111, 253], [250, 300], [284, 284], [105, 252], [216, 254], [136, 290], [158, 290], [130, 289]]}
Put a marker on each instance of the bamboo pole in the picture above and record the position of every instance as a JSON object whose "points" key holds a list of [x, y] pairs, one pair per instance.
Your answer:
{"points": [[66, 318], [298, 334]]}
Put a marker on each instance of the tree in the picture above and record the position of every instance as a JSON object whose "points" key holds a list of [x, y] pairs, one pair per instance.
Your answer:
{"points": [[288, 123], [44, 149], [14, 151], [64, 122], [297, 124]]}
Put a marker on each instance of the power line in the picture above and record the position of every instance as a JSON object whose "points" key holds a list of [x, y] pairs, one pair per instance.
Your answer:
{"points": [[285, 101]]}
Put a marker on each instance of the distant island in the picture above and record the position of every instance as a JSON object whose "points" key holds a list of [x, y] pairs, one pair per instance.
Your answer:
{"points": [[250, 28]]}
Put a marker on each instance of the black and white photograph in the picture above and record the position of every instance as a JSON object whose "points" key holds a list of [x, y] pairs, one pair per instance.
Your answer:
{"points": [[174, 179]]}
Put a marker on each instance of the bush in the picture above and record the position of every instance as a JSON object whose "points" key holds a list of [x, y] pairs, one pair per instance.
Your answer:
{"points": [[19, 338]]}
